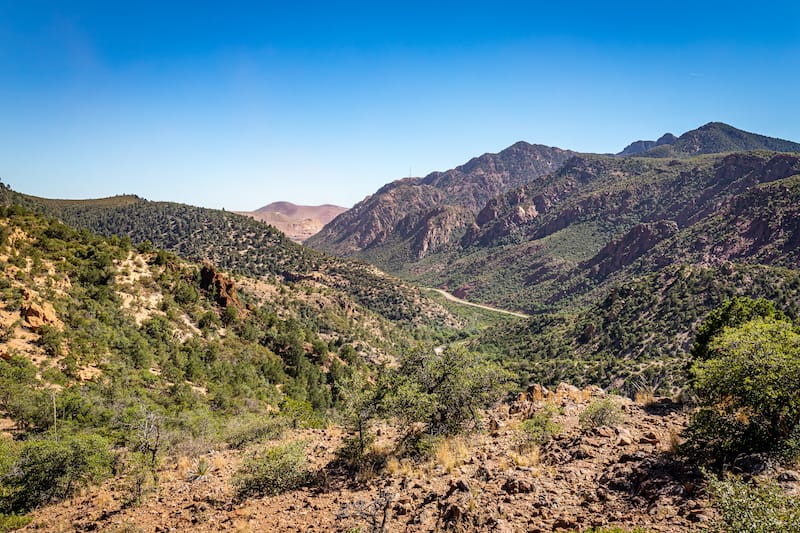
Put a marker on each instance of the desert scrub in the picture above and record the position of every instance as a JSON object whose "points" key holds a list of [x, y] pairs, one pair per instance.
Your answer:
{"points": [[41, 471], [753, 507], [273, 471], [538, 429], [10, 522], [605, 412], [241, 433]]}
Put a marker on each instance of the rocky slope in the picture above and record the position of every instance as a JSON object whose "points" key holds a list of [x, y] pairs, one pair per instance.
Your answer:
{"points": [[624, 474], [412, 217], [298, 222]]}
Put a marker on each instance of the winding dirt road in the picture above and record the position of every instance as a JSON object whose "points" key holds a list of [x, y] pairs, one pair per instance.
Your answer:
{"points": [[480, 306]]}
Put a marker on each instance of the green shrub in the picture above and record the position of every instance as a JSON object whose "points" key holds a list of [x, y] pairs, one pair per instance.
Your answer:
{"points": [[140, 477], [10, 522], [242, 433], [605, 412], [444, 391], [358, 457], [732, 313], [50, 470], [753, 507], [748, 392], [273, 471], [51, 340], [301, 414], [538, 429]]}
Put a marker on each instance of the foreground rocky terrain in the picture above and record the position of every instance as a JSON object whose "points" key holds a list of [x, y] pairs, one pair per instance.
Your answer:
{"points": [[624, 473]]}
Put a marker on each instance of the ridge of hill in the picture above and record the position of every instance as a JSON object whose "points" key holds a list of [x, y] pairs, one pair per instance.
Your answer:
{"points": [[637, 147], [240, 244], [413, 217], [718, 137]]}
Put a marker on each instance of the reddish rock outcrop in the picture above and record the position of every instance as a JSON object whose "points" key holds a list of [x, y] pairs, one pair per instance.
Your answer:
{"points": [[625, 250], [224, 289]]}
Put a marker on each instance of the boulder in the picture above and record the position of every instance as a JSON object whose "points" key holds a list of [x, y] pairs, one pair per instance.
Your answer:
{"points": [[36, 316]]}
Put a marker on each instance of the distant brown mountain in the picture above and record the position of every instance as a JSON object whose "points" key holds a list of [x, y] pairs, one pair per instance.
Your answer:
{"points": [[298, 222], [411, 218]]}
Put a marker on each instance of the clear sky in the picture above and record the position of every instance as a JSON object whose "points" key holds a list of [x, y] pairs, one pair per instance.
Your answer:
{"points": [[238, 104]]}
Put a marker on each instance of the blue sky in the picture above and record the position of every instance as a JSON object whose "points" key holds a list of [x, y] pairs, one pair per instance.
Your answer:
{"points": [[239, 104]]}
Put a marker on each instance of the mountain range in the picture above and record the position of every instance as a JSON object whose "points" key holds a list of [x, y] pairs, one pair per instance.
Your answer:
{"points": [[561, 235], [577, 241], [195, 367]]}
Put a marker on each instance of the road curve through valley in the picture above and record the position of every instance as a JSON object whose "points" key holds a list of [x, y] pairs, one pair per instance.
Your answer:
{"points": [[457, 300]]}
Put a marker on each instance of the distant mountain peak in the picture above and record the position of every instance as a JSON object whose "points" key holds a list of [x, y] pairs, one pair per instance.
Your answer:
{"points": [[298, 222], [710, 138], [638, 147]]}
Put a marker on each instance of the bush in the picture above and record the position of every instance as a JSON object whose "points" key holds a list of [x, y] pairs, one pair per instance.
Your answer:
{"points": [[444, 391], [538, 429], [51, 340], [748, 392], [754, 508], [732, 313], [10, 522], [275, 470], [240, 434], [49, 470], [605, 412], [358, 458]]}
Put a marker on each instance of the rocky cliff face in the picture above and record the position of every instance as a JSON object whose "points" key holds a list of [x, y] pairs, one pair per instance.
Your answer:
{"points": [[428, 214], [223, 288], [625, 250]]}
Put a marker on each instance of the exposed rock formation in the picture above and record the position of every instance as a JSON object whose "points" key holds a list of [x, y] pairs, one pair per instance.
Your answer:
{"points": [[426, 214], [224, 289], [36, 315], [625, 250]]}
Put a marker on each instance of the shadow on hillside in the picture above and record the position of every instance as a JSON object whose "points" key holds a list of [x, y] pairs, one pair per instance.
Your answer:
{"points": [[664, 407], [657, 481]]}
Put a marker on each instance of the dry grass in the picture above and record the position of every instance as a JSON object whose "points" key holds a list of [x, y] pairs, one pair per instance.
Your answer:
{"points": [[102, 499], [451, 453], [644, 397], [219, 461], [402, 467], [673, 442], [242, 526], [182, 466], [528, 457]]}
